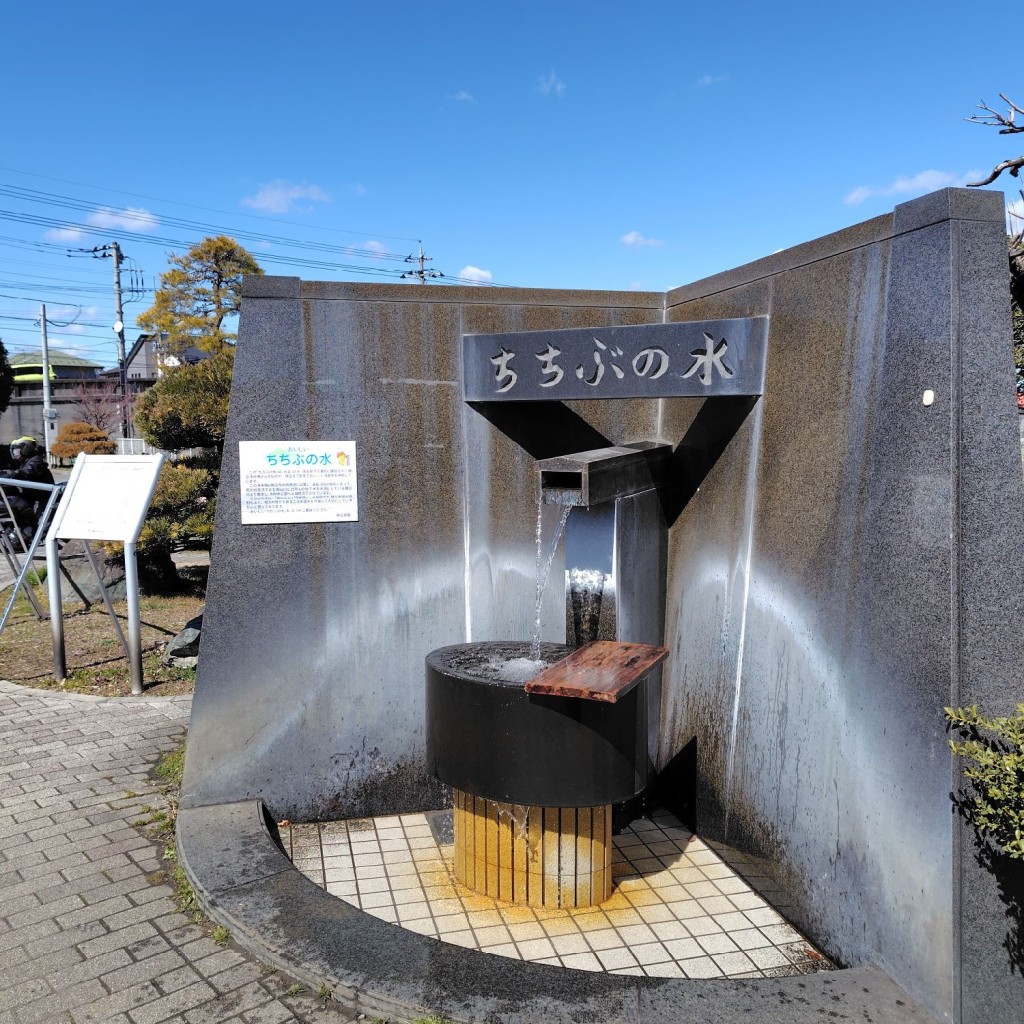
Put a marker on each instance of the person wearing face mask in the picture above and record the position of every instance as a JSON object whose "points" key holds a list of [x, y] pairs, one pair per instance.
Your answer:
{"points": [[27, 503]]}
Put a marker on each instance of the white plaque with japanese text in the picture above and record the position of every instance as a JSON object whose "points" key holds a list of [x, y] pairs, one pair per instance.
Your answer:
{"points": [[298, 481], [107, 497]]}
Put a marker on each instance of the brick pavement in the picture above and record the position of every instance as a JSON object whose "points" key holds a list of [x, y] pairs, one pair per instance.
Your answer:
{"points": [[89, 930]]}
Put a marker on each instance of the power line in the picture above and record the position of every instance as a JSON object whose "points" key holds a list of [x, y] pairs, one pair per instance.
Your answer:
{"points": [[208, 209], [142, 218]]}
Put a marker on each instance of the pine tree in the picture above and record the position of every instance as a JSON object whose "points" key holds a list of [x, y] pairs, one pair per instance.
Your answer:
{"points": [[199, 297]]}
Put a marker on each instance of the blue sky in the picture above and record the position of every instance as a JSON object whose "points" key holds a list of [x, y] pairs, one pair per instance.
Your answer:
{"points": [[563, 145]]}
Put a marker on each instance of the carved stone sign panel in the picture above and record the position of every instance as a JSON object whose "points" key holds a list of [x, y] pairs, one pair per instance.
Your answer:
{"points": [[699, 358]]}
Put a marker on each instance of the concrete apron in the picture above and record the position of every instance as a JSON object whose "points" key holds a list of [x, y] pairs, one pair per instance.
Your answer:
{"points": [[246, 883]]}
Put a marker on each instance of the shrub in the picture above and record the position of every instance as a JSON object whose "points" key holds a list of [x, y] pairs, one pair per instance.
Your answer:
{"points": [[182, 508], [180, 513], [188, 406], [74, 438], [996, 748]]}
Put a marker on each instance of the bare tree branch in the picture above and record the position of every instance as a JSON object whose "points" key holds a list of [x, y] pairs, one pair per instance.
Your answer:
{"points": [[99, 405], [1005, 122], [1013, 166]]}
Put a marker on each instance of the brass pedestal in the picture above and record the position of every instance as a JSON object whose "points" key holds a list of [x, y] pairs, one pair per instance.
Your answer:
{"points": [[551, 857]]}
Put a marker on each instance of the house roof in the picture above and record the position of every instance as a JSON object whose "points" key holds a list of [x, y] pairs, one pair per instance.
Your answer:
{"points": [[56, 358], [139, 342]]}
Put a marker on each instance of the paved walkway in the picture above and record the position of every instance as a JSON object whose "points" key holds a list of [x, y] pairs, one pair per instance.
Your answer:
{"points": [[89, 930]]}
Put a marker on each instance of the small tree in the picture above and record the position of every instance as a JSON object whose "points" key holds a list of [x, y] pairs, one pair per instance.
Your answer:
{"points": [[181, 513], [188, 406], [199, 297], [99, 405], [74, 438]]}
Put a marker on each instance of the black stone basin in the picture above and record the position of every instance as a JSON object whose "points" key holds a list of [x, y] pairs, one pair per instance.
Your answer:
{"points": [[488, 737]]}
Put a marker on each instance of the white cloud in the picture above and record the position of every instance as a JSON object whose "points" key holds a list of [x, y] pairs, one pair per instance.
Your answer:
{"points": [[916, 185], [71, 348], [637, 241], [131, 218], [476, 275], [378, 247], [637, 286], [705, 80], [551, 85], [64, 234], [65, 318], [282, 196], [465, 97]]}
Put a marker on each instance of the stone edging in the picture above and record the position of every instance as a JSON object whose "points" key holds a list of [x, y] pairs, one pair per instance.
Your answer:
{"points": [[6, 686], [246, 883]]}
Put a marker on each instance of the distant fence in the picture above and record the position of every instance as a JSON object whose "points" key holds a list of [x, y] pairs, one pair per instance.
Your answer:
{"points": [[136, 446]]}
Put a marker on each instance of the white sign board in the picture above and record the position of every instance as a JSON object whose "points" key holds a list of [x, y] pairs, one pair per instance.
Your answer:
{"points": [[107, 497], [298, 481]]}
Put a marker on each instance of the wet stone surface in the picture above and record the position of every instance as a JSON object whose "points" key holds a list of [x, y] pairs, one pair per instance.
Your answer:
{"points": [[678, 910]]}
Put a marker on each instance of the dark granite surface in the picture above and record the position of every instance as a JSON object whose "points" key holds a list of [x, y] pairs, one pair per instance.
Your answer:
{"points": [[846, 561], [885, 581]]}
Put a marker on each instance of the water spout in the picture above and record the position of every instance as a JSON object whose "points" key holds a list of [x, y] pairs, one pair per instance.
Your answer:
{"points": [[544, 569]]}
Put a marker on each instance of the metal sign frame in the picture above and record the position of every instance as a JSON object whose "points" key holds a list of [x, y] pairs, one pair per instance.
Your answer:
{"points": [[126, 530], [20, 568]]}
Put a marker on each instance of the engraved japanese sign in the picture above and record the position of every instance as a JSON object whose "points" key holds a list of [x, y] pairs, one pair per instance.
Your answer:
{"points": [[699, 358]]}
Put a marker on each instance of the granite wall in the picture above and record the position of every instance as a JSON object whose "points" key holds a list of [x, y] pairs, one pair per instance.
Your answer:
{"points": [[310, 690], [850, 563]]}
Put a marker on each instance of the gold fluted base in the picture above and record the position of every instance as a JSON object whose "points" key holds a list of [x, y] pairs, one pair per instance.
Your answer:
{"points": [[552, 857]]}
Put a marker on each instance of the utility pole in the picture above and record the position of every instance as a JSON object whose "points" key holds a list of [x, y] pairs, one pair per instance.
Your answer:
{"points": [[421, 273], [101, 252], [119, 329], [47, 410]]}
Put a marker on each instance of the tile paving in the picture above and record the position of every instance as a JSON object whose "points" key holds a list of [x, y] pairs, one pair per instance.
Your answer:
{"points": [[89, 930], [679, 909]]}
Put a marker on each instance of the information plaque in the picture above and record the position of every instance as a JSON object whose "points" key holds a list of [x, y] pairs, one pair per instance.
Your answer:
{"points": [[107, 497], [298, 481]]}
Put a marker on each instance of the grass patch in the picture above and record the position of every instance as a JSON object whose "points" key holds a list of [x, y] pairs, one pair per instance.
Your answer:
{"points": [[159, 823], [171, 767], [96, 663]]}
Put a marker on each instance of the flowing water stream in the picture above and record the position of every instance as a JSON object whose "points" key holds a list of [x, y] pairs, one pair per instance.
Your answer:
{"points": [[544, 570]]}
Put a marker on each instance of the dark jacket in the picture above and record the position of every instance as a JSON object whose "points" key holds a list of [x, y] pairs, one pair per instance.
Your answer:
{"points": [[34, 468]]}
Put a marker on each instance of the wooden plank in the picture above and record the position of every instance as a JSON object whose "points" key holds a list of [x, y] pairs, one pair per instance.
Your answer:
{"points": [[491, 848], [520, 826], [459, 830], [535, 857], [584, 856], [551, 879], [603, 670], [505, 849]]}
